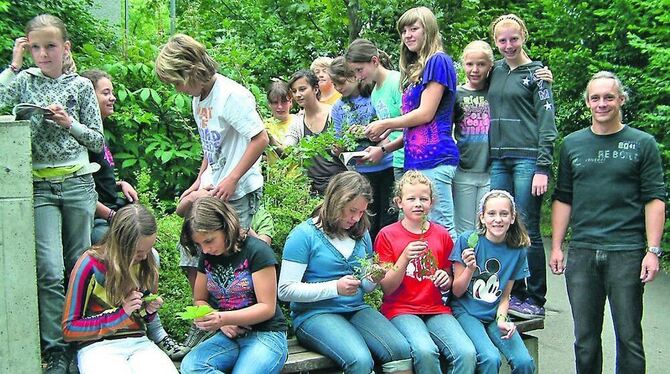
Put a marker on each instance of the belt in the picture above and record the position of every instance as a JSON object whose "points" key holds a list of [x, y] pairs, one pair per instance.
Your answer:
{"points": [[89, 168]]}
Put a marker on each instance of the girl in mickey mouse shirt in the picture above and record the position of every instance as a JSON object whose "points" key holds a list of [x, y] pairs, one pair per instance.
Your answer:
{"points": [[483, 280]]}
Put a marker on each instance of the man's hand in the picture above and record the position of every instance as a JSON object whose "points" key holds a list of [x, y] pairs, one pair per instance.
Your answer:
{"points": [[649, 267], [556, 263]]}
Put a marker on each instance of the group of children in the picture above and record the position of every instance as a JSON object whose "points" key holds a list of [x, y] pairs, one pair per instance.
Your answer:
{"points": [[440, 299]]}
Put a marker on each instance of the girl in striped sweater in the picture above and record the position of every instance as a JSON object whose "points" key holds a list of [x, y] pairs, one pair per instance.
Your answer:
{"points": [[107, 303]]}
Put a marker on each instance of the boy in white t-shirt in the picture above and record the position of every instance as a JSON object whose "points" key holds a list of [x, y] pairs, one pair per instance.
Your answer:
{"points": [[231, 131]]}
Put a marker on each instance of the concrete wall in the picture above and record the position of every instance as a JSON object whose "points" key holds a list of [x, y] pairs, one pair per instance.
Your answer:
{"points": [[19, 321], [111, 10]]}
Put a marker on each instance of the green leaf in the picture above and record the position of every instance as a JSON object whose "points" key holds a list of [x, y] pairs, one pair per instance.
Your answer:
{"points": [[473, 239], [128, 163], [193, 312], [156, 97], [144, 94], [150, 297]]}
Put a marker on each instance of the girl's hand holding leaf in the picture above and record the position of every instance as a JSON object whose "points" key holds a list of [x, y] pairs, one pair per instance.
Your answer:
{"points": [[132, 302], [210, 322], [473, 239], [153, 305], [377, 272], [348, 285], [469, 258]]}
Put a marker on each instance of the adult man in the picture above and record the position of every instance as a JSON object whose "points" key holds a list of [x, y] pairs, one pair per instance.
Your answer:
{"points": [[610, 190]]}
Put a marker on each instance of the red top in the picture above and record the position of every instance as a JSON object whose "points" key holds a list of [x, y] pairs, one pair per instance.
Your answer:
{"points": [[416, 294]]}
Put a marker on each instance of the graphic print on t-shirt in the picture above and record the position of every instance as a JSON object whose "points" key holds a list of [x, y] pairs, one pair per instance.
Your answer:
{"points": [[211, 140], [476, 120], [232, 288], [485, 285]]}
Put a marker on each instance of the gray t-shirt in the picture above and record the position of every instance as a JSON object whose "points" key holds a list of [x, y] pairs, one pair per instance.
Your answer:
{"points": [[608, 179], [472, 119]]}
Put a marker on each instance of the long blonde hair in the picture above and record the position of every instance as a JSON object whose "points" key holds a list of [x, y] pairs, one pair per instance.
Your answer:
{"points": [[47, 20], [342, 189], [412, 63], [117, 251]]}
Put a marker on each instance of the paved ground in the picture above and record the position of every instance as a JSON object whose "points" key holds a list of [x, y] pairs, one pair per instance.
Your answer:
{"points": [[556, 351]]}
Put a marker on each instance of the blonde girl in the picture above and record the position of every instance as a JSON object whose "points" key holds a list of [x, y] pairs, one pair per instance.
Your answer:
{"points": [[429, 80], [471, 130], [237, 277], [105, 312], [329, 95], [320, 258], [63, 190], [484, 274], [522, 135], [352, 112], [415, 295], [373, 67]]}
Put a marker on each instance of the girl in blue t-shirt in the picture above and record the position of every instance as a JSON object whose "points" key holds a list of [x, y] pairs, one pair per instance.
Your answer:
{"points": [[351, 113], [429, 81], [322, 277], [486, 264]]}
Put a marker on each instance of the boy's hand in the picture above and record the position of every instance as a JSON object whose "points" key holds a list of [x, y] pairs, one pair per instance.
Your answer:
{"points": [[225, 189], [128, 191]]}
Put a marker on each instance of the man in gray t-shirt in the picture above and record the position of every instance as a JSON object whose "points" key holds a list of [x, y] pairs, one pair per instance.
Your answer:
{"points": [[610, 191]]}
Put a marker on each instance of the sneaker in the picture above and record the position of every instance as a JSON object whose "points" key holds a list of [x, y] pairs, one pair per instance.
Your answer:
{"points": [[524, 309], [195, 336], [174, 350], [57, 362]]}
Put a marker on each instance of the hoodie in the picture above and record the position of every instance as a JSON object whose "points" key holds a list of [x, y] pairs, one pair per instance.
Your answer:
{"points": [[52, 145], [522, 115]]}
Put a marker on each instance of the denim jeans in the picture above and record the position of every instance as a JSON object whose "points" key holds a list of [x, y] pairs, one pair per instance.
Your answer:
{"points": [[63, 221], [442, 212], [433, 335], [592, 276], [262, 352], [382, 193], [353, 339], [516, 177], [127, 355], [489, 345], [468, 190]]}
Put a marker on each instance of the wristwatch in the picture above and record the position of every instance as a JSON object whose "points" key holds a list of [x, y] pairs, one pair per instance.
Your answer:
{"points": [[658, 251], [383, 150]]}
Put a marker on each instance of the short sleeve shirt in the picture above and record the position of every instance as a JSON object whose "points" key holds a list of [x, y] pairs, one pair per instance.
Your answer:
{"points": [[227, 120], [431, 144], [387, 100], [230, 283], [472, 123], [497, 264]]}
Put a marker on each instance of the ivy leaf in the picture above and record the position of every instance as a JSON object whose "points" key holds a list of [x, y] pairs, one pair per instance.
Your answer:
{"points": [[150, 297], [193, 312]]}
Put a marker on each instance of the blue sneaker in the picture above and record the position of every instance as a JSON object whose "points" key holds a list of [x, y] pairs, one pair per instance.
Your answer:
{"points": [[526, 309]]}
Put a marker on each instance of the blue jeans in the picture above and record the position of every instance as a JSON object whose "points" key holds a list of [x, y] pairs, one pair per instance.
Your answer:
{"points": [[352, 339], [489, 345], [468, 190], [63, 220], [592, 276], [443, 209], [257, 352], [515, 175], [433, 335]]}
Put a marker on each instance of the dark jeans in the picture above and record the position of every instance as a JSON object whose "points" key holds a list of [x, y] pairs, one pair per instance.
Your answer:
{"points": [[591, 277], [516, 177], [382, 193]]}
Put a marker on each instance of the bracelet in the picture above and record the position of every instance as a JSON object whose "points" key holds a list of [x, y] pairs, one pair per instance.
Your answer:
{"points": [[504, 316], [111, 215], [13, 68], [383, 150]]}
